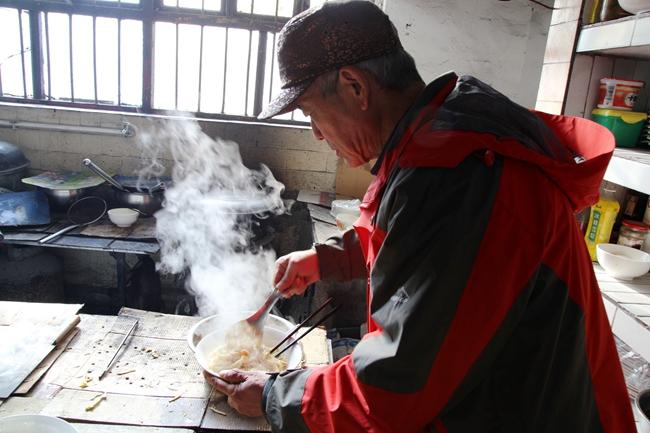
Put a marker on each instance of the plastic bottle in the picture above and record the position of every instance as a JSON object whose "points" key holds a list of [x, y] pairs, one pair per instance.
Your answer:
{"points": [[601, 221]]}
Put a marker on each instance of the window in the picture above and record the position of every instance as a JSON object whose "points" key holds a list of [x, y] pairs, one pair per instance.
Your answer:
{"points": [[214, 58]]}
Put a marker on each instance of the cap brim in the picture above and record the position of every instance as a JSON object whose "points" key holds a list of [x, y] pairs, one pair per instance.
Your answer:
{"points": [[284, 102]]}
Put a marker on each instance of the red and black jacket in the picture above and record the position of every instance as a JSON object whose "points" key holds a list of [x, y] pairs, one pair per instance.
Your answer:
{"points": [[484, 312]]}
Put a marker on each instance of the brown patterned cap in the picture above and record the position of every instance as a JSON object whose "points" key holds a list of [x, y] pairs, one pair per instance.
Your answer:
{"points": [[322, 39]]}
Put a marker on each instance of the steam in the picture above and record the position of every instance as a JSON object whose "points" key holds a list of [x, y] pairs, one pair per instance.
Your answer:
{"points": [[204, 227]]}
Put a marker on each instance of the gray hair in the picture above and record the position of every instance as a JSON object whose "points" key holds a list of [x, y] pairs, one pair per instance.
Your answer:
{"points": [[394, 71]]}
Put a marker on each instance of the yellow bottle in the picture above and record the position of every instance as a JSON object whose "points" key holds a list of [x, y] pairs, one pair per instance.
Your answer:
{"points": [[601, 221]]}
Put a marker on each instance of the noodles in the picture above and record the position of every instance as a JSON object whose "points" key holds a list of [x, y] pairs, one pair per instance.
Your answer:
{"points": [[244, 350]]}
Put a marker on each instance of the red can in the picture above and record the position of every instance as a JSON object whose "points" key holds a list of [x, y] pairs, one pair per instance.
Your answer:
{"points": [[618, 94]]}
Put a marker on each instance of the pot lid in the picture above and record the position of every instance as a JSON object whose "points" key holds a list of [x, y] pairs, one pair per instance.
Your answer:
{"points": [[12, 159]]}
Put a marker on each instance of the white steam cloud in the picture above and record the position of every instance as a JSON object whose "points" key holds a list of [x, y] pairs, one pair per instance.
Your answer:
{"points": [[204, 225]]}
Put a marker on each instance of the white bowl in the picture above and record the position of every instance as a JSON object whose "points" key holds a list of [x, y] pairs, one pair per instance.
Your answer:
{"points": [[216, 322], [622, 262], [35, 424], [122, 216], [271, 337], [635, 6]]}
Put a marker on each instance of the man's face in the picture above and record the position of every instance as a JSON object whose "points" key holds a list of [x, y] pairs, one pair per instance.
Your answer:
{"points": [[337, 119]]}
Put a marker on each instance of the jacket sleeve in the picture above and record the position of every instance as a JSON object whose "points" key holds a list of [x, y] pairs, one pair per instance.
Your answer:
{"points": [[434, 221], [340, 258]]}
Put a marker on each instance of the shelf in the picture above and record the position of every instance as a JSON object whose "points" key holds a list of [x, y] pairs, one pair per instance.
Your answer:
{"points": [[626, 37], [630, 168], [628, 307]]}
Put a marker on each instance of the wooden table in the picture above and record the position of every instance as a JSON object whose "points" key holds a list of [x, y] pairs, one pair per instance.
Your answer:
{"points": [[154, 382]]}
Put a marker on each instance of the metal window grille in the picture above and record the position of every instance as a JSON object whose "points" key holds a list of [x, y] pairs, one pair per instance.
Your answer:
{"points": [[211, 58]]}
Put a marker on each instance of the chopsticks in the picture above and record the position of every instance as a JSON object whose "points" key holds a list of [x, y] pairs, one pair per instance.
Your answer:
{"points": [[311, 316]]}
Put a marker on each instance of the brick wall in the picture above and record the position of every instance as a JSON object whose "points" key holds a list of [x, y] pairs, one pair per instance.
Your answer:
{"points": [[293, 155]]}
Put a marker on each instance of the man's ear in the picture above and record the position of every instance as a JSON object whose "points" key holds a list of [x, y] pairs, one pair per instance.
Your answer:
{"points": [[355, 84]]}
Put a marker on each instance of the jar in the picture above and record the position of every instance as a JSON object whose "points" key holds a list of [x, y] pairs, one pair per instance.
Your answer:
{"points": [[633, 234]]}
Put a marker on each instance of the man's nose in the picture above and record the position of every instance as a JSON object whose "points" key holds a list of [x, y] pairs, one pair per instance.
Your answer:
{"points": [[316, 131]]}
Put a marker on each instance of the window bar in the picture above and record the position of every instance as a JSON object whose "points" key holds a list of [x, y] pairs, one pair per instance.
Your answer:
{"points": [[198, 107], [248, 70], [1, 92], [37, 53], [147, 56], [70, 48], [47, 45], [271, 70], [252, 7], [225, 68], [119, 62], [176, 76], [22, 50], [95, 56], [277, 5], [299, 6], [259, 77], [202, 10]]}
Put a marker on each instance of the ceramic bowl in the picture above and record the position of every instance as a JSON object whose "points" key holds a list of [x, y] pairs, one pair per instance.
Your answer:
{"points": [[35, 424], [635, 6], [622, 262], [123, 217], [216, 322], [270, 338]]}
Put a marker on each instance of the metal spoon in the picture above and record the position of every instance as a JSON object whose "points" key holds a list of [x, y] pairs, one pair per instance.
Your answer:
{"points": [[258, 318]]}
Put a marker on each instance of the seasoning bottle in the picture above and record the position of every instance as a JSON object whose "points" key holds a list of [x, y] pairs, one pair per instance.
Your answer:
{"points": [[601, 221], [591, 12], [633, 234], [611, 10]]}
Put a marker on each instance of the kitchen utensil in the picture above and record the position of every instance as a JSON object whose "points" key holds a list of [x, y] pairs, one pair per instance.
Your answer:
{"points": [[270, 337], [258, 318], [146, 202], [623, 262], [117, 350], [61, 199], [123, 217], [28, 208], [65, 187], [81, 213], [301, 324], [35, 424], [311, 328], [98, 171], [642, 407], [13, 165], [213, 323]]}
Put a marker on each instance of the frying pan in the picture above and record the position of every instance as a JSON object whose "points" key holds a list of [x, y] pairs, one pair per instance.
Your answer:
{"points": [[81, 213]]}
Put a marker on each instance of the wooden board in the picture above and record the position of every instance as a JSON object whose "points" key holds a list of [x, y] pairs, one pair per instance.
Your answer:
{"points": [[112, 428], [127, 409], [219, 415], [42, 368]]}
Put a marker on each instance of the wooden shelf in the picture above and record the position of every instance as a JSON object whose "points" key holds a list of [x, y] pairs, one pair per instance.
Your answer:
{"points": [[628, 308], [625, 37], [630, 168]]}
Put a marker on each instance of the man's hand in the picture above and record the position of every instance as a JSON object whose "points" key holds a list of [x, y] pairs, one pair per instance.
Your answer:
{"points": [[243, 388], [295, 271]]}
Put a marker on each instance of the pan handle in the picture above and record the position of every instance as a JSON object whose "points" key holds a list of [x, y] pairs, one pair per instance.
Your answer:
{"points": [[48, 238], [98, 171]]}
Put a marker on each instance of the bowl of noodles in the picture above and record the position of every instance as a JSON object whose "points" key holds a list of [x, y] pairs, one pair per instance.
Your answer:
{"points": [[240, 347]]}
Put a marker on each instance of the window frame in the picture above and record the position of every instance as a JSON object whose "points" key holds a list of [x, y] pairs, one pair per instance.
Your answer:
{"points": [[149, 12]]}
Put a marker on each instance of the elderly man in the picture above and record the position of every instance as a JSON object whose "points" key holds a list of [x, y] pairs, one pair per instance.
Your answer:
{"points": [[483, 311]]}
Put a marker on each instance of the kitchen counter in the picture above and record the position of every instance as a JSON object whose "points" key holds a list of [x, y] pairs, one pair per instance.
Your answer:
{"points": [[155, 380]]}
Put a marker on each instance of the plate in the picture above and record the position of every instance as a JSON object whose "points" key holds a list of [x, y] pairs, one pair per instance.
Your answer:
{"points": [[35, 424]]}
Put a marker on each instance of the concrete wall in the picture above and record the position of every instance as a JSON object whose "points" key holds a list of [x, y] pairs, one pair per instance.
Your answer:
{"points": [[293, 155], [499, 42]]}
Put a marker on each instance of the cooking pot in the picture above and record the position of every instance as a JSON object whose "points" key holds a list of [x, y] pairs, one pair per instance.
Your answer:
{"points": [[61, 199], [146, 202]]}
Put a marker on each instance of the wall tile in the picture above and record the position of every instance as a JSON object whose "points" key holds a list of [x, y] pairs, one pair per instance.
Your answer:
{"points": [[553, 82], [560, 42]]}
